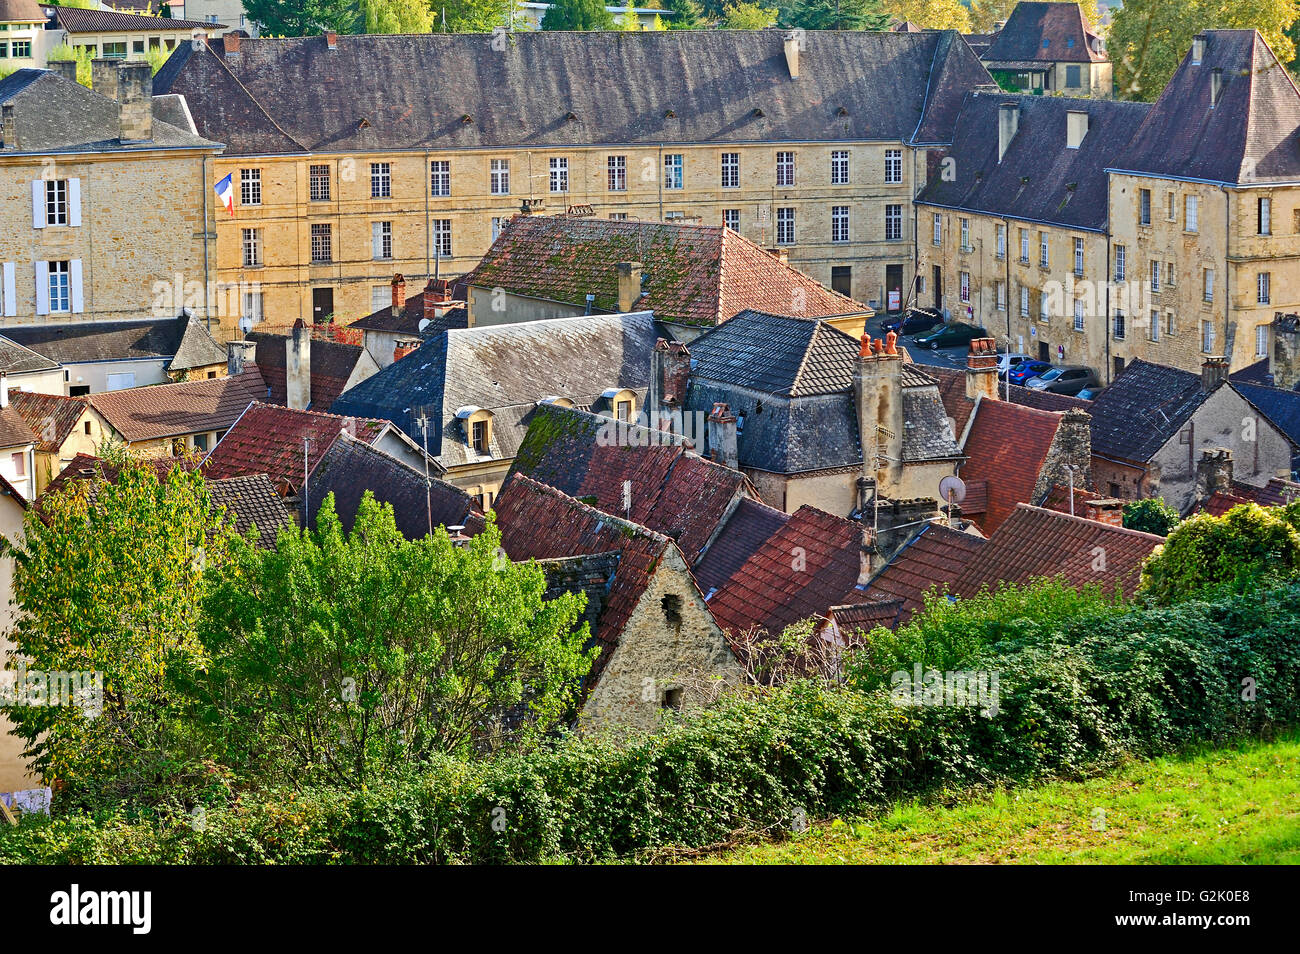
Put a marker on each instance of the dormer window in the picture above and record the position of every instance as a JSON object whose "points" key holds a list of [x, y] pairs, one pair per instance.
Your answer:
{"points": [[477, 422], [622, 403]]}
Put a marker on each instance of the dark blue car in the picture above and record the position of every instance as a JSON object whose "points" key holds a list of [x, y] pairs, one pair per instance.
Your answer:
{"points": [[1026, 370], [914, 322]]}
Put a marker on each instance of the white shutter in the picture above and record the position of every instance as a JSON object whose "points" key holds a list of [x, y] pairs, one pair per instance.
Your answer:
{"points": [[376, 240], [10, 291], [74, 281], [38, 204], [74, 202], [42, 288]]}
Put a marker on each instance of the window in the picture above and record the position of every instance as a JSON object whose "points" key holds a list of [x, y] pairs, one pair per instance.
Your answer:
{"points": [[1264, 216], [1189, 213], [1119, 325], [842, 279], [559, 174], [893, 222], [1169, 274], [1155, 277], [381, 297], [1078, 257], [1171, 323], [673, 178], [840, 166], [22, 50], [616, 173], [1073, 77], [1261, 341], [893, 166], [1002, 296], [250, 186], [672, 697], [1155, 325], [618, 216], [321, 242], [1024, 301], [1078, 314], [381, 240], [1208, 284], [440, 177], [1144, 207], [442, 238], [1024, 246], [1002, 241], [938, 229], [252, 242], [252, 305], [499, 175], [785, 168], [201, 442], [731, 170], [785, 226], [1262, 282], [964, 279], [479, 436], [1207, 337], [731, 219], [56, 202], [1121, 263], [60, 286], [19, 463], [113, 51], [840, 223], [498, 223], [965, 235], [1043, 313], [1044, 259], [320, 183], [381, 180]]}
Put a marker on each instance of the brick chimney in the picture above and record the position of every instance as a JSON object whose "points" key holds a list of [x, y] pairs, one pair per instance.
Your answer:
{"points": [[1070, 450], [135, 101], [723, 436], [399, 293], [1108, 510], [297, 368], [231, 42], [982, 369], [1284, 356], [1214, 371], [878, 396], [405, 346], [782, 255], [239, 354], [331, 40], [629, 285], [103, 76], [670, 371], [1213, 473]]}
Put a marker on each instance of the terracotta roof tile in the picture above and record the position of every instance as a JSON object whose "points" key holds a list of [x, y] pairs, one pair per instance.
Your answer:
{"points": [[171, 410], [750, 525], [1007, 446], [332, 364], [14, 429], [51, 416], [935, 557], [252, 501]]}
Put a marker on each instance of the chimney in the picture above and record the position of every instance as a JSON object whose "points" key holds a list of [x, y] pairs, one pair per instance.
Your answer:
{"points": [[1076, 127], [878, 395], [404, 346], [1216, 85], [670, 370], [239, 354], [231, 43], [399, 293], [1108, 510], [1008, 125], [1214, 371], [65, 68], [9, 127], [1198, 50], [793, 42], [782, 255], [4, 390], [1284, 356], [103, 77], [331, 40], [135, 101], [629, 285], [723, 436], [297, 368], [1213, 473], [437, 291], [982, 369], [900, 520], [1069, 453]]}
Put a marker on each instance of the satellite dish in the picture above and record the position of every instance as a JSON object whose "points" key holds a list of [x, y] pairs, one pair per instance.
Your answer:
{"points": [[952, 489], [245, 324], [424, 323]]}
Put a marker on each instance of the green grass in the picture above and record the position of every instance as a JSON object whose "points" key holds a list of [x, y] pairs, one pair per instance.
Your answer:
{"points": [[1227, 806]]}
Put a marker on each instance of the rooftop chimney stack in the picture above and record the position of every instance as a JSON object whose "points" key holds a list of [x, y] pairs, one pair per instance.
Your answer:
{"points": [[1008, 126], [878, 394], [1069, 457], [724, 436], [239, 354], [231, 42], [1213, 473], [297, 369], [135, 101], [1284, 355], [9, 127], [399, 293], [1198, 50], [65, 68], [1216, 85], [793, 43], [331, 40], [982, 369], [103, 76], [1214, 371], [1076, 128], [629, 285], [670, 371]]}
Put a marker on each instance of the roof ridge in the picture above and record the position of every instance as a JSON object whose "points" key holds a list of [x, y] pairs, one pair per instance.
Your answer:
{"points": [[1109, 527], [251, 98], [600, 516]]}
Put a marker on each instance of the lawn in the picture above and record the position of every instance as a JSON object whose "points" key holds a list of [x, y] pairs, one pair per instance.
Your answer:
{"points": [[1224, 806]]}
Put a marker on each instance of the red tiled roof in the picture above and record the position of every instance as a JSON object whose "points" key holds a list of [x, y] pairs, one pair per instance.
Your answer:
{"points": [[750, 525], [976, 502], [268, 439], [1220, 503], [1033, 543], [14, 430], [1278, 492], [173, 410], [51, 416], [864, 617], [803, 570], [933, 558], [332, 364], [1007, 446]]}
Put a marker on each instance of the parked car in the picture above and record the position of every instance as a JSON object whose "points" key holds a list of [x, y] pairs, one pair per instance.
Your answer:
{"points": [[1008, 362], [1089, 394], [1026, 370], [1066, 379], [913, 322], [950, 335]]}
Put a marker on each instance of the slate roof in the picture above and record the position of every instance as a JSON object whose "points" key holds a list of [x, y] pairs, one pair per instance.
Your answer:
{"points": [[952, 388], [54, 115], [14, 430], [16, 359], [351, 467], [253, 502], [1039, 179], [268, 439], [934, 557], [1251, 135], [506, 369], [78, 20], [540, 523], [332, 364], [77, 342], [1276, 493], [750, 525], [1033, 543], [1030, 24], [1279, 406], [50, 416], [1143, 407], [695, 274], [406, 320], [197, 348], [671, 490], [767, 594], [413, 92], [1006, 446], [173, 410]]}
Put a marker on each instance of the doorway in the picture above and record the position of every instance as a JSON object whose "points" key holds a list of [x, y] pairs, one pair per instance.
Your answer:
{"points": [[322, 304], [938, 288]]}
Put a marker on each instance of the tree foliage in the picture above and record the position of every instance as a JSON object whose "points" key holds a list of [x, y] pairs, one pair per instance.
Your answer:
{"points": [[578, 15], [302, 17], [1152, 515], [748, 16], [395, 16], [82, 55], [931, 14], [687, 15], [838, 15]]}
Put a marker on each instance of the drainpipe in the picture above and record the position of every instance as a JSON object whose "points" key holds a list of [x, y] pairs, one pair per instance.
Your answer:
{"points": [[208, 229], [428, 236], [1227, 273], [1106, 318]]}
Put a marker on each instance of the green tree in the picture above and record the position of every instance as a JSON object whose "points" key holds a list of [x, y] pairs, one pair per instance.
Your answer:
{"points": [[1152, 515], [109, 578], [686, 15], [629, 22], [748, 16], [343, 656], [1148, 38], [302, 17], [838, 15], [931, 14], [473, 16], [395, 16], [82, 55], [578, 15], [1247, 547]]}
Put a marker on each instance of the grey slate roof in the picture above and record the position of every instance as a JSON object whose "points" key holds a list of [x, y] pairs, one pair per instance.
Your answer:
{"points": [[56, 115], [252, 501], [16, 359], [1279, 406], [385, 93], [78, 342], [1038, 179], [197, 347], [1251, 135], [1142, 408], [79, 20], [506, 369], [1021, 39]]}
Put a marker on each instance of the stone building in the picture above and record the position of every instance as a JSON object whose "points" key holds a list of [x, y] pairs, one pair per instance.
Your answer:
{"points": [[1050, 48]]}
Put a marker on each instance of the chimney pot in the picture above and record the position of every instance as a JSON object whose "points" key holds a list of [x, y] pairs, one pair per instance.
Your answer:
{"points": [[1214, 371], [723, 436], [238, 355], [399, 293], [982, 370], [231, 41], [331, 40], [629, 285]]}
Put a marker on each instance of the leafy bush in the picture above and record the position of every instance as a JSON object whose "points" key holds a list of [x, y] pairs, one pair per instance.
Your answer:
{"points": [[1152, 515]]}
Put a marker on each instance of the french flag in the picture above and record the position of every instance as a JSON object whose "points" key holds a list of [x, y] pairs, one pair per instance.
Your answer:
{"points": [[225, 191]]}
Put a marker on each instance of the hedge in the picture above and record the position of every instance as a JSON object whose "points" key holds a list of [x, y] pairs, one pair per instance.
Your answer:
{"points": [[1073, 701]]}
